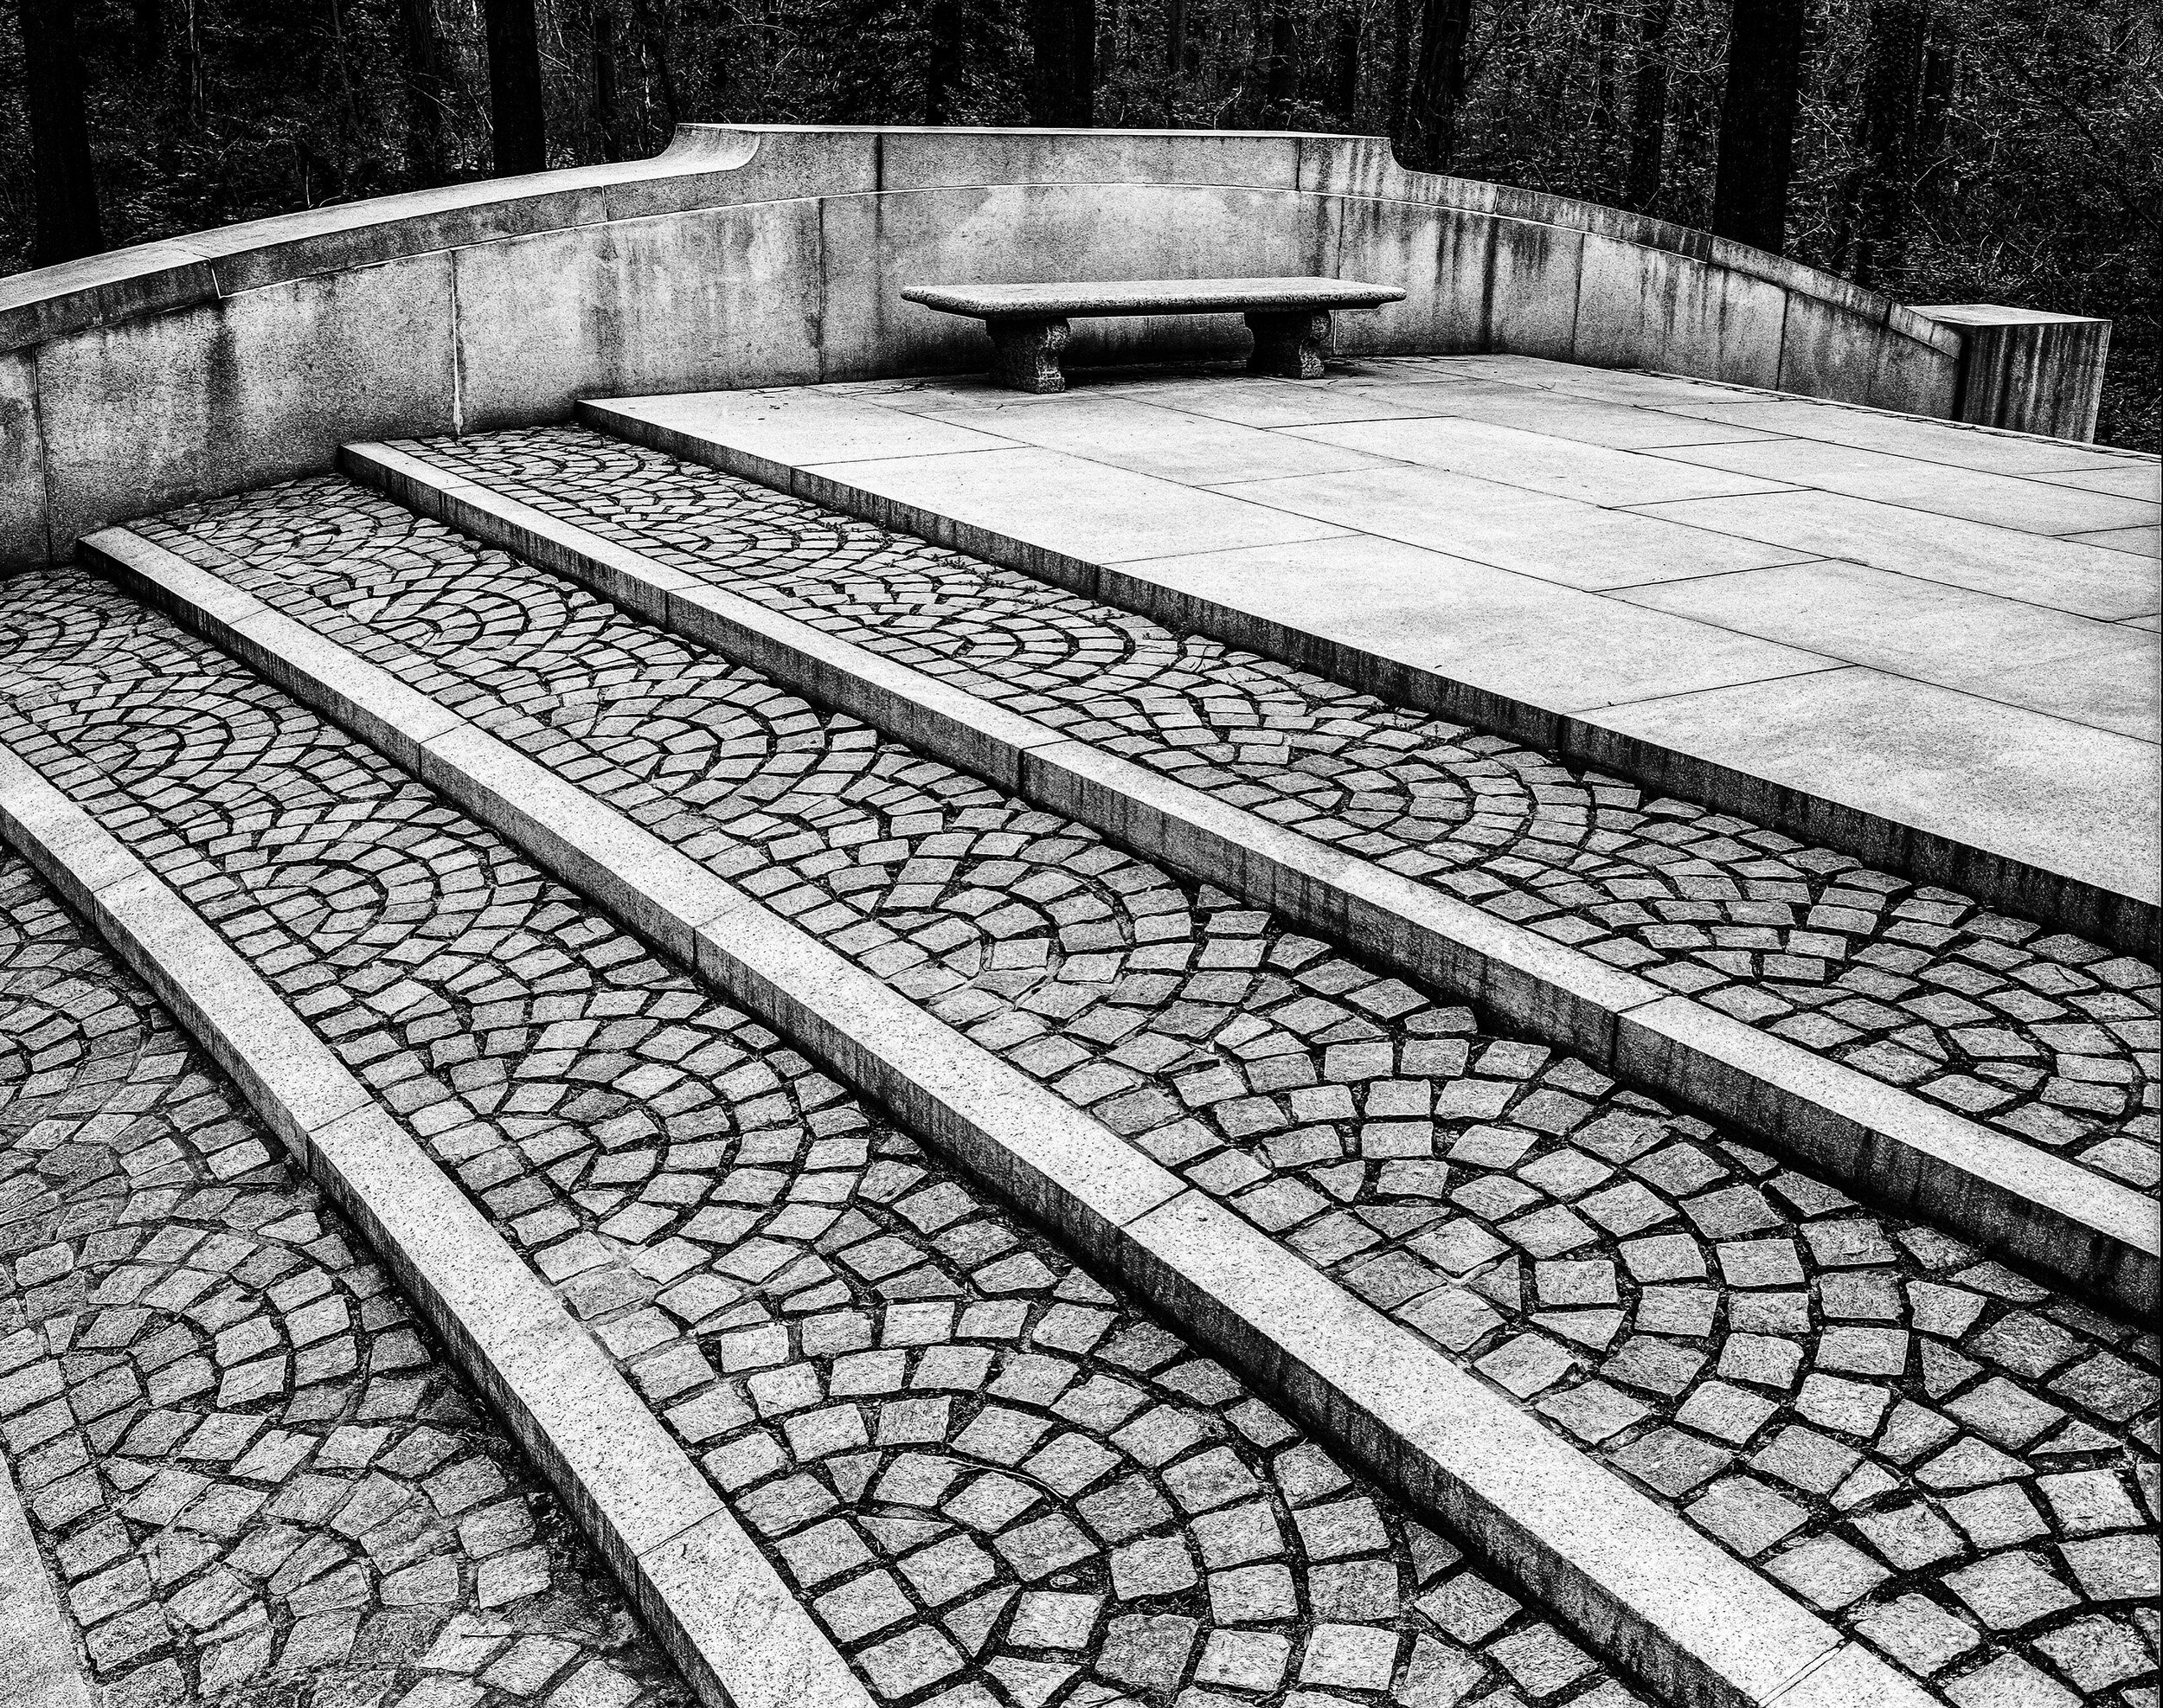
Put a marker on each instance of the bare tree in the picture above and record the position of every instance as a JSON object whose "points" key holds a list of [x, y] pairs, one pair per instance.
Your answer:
{"points": [[65, 189], [514, 88], [1757, 122]]}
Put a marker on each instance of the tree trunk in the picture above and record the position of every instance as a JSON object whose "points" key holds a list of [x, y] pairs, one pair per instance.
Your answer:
{"points": [[1603, 80], [1062, 80], [150, 33], [1757, 122], [600, 29], [514, 88], [64, 185], [1648, 107], [1892, 92], [427, 92], [1400, 66], [1343, 103], [942, 63], [1279, 51], [1429, 135]]}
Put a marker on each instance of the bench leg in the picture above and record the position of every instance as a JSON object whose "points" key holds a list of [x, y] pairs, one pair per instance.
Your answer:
{"points": [[1290, 346], [1028, 353]]}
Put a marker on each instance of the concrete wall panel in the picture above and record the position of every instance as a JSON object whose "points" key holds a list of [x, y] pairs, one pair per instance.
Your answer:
{"points": [[1440, 256], [775, 255], [727, 296], [21, 463], [145, 414], [1532, 284]]}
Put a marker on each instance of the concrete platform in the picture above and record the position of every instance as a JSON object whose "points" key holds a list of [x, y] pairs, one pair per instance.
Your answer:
{"points": [[1931, 645]]}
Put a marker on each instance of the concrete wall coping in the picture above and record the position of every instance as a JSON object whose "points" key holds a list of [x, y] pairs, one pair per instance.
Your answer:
{"points": [[719, 165]]}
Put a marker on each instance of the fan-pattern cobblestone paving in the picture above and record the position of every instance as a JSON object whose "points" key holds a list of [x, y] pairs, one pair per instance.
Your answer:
{"points": [[1887, 1424], [2037, 1032], [252, 1476], [991, 1480]]}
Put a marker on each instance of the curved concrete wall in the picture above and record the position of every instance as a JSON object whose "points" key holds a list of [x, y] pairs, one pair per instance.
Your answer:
{"points": [[747, 256]]}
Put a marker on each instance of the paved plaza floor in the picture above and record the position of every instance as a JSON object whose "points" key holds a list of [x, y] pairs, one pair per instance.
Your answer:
{"points": [[1944, 628], [1072, 1267]]}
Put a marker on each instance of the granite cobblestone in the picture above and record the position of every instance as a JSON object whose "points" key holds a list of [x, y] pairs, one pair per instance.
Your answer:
{"points": [[1884, 1421], [991, 1481], [2039, 1033], [254, 1479]]}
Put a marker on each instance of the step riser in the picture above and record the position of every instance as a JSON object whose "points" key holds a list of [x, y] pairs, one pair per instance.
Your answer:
{"points": [[1882, 1143], [2125, 923], [1634, 1581], [733, 1629]]}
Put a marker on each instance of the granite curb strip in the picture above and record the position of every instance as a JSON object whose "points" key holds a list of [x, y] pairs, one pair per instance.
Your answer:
{"points": [[2014, 1197], [717, 1606], [37, 1644], [2125, 923], [1640, 1585]]}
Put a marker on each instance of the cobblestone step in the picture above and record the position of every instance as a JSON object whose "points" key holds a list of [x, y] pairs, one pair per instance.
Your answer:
{"points": [[248, 1471], [1993, 1185], [990, 1478], [1390, 1142], [719, 1607], [736, 444]]}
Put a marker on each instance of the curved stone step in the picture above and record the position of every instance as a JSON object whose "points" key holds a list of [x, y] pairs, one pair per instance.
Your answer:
{"points": [[719, 1609], [249, 1467], [2013, 1196], [568, 646], [981, 1470]]}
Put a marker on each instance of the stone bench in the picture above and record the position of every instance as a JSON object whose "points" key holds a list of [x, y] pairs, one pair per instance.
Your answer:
{"points": [[1290, 317]]}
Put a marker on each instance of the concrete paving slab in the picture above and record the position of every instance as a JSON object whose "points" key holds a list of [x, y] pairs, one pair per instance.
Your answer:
{"points": [[806, 424], [1556, 539], [2076, 668], [1083, 510], [2142, 479], [1138, 434], [2091, 581], [1538, 461], [1904, 435], [2022, 785], [2001, 500], [1280, 403], [2141, 542], [1592, 420], [1506, 635]]}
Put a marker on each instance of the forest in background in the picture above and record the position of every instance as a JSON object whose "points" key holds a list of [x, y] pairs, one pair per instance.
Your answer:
{"points": [[1942, 150]]}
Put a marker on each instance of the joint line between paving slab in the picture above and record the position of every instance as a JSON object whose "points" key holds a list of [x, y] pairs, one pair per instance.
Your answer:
{"points": [[1571, 1529], [1036, 761], [713, 1600]]}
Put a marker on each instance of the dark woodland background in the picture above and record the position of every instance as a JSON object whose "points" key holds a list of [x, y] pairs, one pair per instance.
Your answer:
{"points": [[1942, 150]]}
